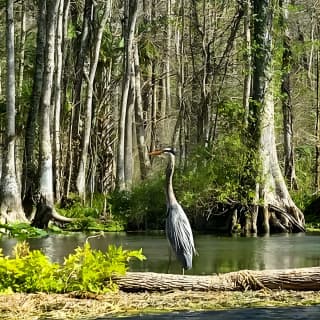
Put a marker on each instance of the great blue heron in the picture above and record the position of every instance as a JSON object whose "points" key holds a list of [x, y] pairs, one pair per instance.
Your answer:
{"points": [[178, 229]]}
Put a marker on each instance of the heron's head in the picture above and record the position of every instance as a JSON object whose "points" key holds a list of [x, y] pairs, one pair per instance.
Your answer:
{"points": [[164, 151]]}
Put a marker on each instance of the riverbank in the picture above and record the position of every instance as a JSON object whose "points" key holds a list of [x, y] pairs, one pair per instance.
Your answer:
{"points": [[74, 306]]}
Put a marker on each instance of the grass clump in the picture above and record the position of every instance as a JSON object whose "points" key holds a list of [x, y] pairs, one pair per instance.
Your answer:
{"points": [[85, 270]]}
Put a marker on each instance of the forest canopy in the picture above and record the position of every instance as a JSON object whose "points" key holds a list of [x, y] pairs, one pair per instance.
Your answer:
{"points": [[88, 88]]}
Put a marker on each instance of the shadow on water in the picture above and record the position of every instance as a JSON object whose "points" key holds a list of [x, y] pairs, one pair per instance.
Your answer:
{"points": [[290, 313]]}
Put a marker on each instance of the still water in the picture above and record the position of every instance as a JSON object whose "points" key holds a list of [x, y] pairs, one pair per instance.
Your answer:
{"points": [[291, 313], [217, 254]]}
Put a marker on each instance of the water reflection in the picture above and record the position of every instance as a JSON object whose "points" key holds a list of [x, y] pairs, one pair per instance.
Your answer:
{"points": [[217, 254]]}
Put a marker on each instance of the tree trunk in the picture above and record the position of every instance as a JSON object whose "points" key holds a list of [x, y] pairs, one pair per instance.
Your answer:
{"points": [[139, 121], [128, 142], [46, 172], [168, 57], [279, 213], [29, 168], [247, 59], [81, 177], [75, 138], [57, 104], [317, 126], [289, 167], [180, 76], [286, 279], [10, 196], [129, 30], [22, 47]]}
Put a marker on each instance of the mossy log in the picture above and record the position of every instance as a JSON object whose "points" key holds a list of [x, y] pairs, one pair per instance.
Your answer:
{"points": [[287, 279]]}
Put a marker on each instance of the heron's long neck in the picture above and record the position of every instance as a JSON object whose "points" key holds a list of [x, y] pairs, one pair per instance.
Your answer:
{"points": [[169, 174]]}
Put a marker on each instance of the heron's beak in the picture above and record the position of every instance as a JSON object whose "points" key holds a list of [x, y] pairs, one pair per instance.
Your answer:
{"points": [[155, 152]]}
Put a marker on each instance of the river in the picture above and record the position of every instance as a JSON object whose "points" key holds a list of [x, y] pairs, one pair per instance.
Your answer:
{"points": [[291, 313], [216, 254]]}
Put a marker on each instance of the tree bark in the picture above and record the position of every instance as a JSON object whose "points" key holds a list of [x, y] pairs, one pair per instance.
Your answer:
{"points": [[278, 212], [57, 104], [180, 78], [22, 48], [247, 60], [128, 146], [81, 177], [170, 3], [46, 172], [29, 168], [286, 279], [317, 124], [10, 197], [75, 132], [289, 165], [129, 30], [139, 120]]}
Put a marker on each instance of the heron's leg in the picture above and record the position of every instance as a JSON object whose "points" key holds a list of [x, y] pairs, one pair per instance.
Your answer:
{"points": [[183, 271]]}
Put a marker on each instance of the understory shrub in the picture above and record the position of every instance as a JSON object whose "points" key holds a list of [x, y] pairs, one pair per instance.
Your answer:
{"points": [[142, 208], [85, 270]]}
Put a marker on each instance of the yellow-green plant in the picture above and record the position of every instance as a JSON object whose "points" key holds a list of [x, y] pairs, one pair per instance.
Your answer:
{"points": [[28, 271], [92, 270], [86, 270]]}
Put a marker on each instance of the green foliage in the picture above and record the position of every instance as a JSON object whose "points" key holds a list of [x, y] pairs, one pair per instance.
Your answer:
{"points": [[91, 224], [28, 271], [72, 31], [112, 46], [90, 218], [231, 115], [217, 173], [304, 165], [212, 174], [143, 207], [86, 270], [74, 208], [148, 51], [22, 231]]}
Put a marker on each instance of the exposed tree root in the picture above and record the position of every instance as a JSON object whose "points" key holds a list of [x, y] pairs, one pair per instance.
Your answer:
{"points": [[287, 221], [45, 213], [231, 216]]}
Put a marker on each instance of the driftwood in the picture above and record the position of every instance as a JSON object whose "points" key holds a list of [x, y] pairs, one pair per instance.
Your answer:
{"points": [[287, 279]]}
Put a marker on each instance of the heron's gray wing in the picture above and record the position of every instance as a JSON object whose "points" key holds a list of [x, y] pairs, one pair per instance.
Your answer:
{"points": [[180, 235]]}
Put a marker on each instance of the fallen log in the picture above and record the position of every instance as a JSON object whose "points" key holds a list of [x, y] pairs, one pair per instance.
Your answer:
{"points": [[286, 279]]}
